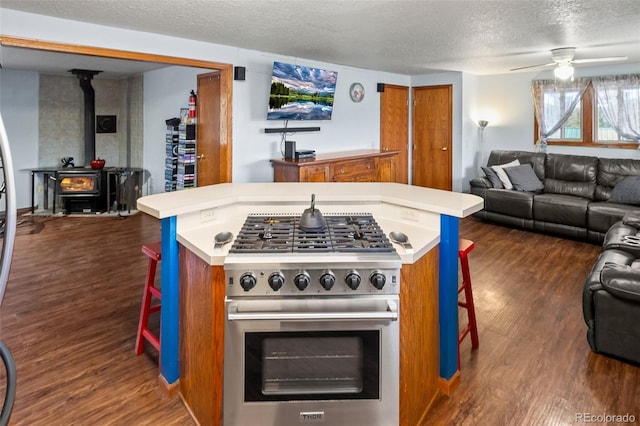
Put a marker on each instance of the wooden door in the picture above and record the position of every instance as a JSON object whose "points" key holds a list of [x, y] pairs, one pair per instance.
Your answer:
{"points": [[209, 156], [394, 127], [432, 136]]}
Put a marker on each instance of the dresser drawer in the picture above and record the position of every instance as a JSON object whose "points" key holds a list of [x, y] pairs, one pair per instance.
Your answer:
{"points": [[361, 170], [316, 173]]}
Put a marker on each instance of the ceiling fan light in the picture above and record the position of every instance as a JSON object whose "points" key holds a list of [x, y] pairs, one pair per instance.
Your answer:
{"points": [[563, 71]]}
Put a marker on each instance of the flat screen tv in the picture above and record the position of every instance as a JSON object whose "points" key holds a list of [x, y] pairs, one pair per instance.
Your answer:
{"points": [[301, 93]]}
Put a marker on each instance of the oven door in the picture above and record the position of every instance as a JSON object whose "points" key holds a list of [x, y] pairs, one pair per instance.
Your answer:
{"points": [[331, 360]]}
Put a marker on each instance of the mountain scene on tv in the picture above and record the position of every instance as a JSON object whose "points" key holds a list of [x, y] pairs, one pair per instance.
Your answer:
{"points": [[301, 93]]}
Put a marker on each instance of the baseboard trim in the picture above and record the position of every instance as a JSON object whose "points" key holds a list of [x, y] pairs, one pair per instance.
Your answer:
{"points": [[447, 387], [186, 406], [170, 389]]}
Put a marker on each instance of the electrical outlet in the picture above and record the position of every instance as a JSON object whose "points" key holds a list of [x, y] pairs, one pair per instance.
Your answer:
{"points": [[410, 214], [207, 215]]}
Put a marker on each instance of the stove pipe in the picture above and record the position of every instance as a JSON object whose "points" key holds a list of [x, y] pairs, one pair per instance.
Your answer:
{"points": [[85, 77]]}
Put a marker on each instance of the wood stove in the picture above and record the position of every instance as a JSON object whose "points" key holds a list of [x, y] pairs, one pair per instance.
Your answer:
{"points": [[78, 183], [82, 190]]}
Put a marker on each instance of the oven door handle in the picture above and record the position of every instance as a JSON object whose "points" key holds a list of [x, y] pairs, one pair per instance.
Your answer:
{"points": [[390, 314]]}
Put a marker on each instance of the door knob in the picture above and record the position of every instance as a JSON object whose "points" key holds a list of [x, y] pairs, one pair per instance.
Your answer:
{"points": [[444, 148], [200, 157]]}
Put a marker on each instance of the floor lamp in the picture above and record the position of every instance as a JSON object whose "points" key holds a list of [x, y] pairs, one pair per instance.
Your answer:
{"points": [[481, 125]]}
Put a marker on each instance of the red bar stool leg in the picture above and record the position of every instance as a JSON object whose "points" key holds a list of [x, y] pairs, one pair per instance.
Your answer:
{"points": [[152, 251], [465, 246]]}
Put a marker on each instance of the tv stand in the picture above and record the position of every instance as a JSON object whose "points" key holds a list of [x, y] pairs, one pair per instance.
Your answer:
{"points": [[366, 165]]}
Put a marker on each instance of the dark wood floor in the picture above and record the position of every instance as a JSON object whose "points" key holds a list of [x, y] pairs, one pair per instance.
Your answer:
{"points": [[71, 311], [70, 317], [534, 365]]}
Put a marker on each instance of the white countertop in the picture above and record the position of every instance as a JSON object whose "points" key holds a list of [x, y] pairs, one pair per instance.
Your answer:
{"points": [[203, 212]]}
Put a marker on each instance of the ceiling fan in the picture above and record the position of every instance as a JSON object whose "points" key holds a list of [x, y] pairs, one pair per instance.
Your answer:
{"points": [[563, 60]]}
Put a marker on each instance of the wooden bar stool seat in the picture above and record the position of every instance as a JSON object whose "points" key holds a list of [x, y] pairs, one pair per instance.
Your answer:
{"points": [[152, 251], [464, 247]]}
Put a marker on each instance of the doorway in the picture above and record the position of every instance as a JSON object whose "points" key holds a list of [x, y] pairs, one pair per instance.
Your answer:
{"points": [[394, 127], [224, 99], [432, 136]]}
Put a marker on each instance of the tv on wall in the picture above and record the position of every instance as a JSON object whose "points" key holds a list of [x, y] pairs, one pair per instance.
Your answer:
{"points": [[301, 93]]}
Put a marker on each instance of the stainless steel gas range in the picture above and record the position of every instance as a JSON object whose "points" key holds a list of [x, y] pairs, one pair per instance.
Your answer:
{"points": [[312, 322]]}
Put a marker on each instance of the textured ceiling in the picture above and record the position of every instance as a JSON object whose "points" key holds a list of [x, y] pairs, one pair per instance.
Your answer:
{"points": [[399, 36]]}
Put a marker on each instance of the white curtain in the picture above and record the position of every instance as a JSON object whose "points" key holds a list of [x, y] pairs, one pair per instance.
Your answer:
{"points": [[619, 100], [551, 116]]}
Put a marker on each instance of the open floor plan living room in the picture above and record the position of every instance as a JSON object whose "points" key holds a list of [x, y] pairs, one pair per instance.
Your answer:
{"points": [[344, 213], [74, 338]]}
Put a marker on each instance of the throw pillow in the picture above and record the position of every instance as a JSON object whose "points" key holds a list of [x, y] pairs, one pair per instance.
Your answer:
{"points": [[493, 177], [524, 178], [627, 191], [502, 175]]}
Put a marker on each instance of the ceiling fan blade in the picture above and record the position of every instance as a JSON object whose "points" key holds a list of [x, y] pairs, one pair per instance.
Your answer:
{"points": [[533, 66], [611, 58]]}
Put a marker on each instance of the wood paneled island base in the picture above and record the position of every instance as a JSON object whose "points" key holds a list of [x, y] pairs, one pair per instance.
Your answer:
{"points": [[202, 293], [419, 339]]}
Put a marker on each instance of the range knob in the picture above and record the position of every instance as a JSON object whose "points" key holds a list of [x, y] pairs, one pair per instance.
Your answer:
{"points": [[302, 280], [377, 279], [327, 280], [248, 281], [353, 280], [276, 281]]}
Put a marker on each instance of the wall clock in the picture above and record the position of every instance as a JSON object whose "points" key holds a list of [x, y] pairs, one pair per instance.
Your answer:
{"points": [[356, 92]]}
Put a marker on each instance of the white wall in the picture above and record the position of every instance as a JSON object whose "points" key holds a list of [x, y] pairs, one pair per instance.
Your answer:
{"points": [[353, 126], [19, 110], [505, 101], [470, 154], [165, 92]]}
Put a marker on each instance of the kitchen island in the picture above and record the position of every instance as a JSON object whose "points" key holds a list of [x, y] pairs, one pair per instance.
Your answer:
{"points": [[193, 283]]}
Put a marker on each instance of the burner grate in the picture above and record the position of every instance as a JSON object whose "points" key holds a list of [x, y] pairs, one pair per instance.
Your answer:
{"points": [[268, 234]]}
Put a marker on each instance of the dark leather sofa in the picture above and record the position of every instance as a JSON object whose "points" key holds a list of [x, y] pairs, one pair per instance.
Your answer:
{"points": [[611, 294], [575, 199]]}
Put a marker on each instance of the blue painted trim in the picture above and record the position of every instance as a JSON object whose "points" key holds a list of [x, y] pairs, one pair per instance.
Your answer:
{"points": [[169, 314], [448, 296]]}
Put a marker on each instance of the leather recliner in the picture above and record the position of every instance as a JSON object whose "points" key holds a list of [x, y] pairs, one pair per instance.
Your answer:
{"points": [[611, 294]]}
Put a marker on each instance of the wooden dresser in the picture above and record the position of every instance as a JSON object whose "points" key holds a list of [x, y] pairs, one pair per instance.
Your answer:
{"points": [[366, 165]]}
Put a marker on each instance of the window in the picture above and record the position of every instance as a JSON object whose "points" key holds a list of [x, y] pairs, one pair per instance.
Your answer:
{"points": [[587, 125], [572, 129], [623, 98]]}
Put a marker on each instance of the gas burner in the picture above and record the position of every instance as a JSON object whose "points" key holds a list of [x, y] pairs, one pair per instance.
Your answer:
{"points": [[266, 234], [274, 257]]}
